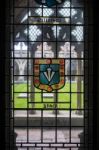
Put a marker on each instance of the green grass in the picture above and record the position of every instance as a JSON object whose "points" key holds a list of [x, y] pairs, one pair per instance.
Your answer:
{"points": [[62, 97]]}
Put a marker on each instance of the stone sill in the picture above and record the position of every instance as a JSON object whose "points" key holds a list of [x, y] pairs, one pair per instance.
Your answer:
{"points": [[63, 119]]}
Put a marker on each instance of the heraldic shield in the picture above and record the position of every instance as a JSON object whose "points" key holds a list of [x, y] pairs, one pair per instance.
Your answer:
{"points": [[49, 74], [49, 3]]}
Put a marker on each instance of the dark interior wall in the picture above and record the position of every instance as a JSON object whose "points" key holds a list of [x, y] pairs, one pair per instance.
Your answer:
{"points": [[96, 75], [2, 78], [97, 95], [4, 73]]}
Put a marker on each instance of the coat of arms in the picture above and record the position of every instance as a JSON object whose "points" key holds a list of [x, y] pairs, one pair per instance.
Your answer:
{"points": [[49, 3], [49, 74]]}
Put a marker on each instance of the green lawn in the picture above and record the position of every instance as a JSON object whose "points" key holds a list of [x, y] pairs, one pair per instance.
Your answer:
{"points": [[62, 97]]}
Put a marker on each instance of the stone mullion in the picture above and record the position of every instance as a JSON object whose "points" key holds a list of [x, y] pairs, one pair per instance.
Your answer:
{"points": [[32, 88], [79, 85]]}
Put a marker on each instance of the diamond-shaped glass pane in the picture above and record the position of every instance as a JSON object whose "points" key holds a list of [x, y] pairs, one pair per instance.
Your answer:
{"points": [[65, 4], [44, 12], [64, 12], [34, 32], [77, 33]]}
